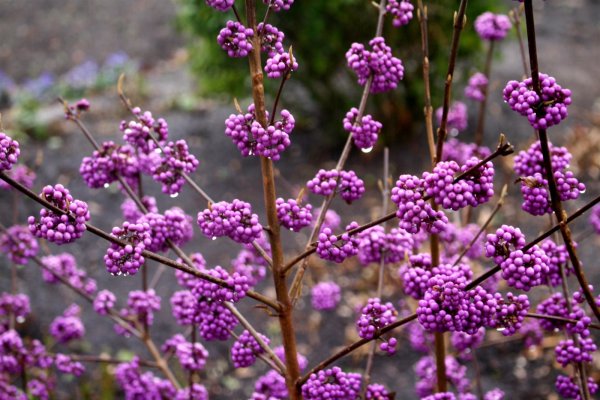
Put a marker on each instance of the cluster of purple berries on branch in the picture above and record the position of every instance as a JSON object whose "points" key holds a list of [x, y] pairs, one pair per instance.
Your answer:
{"points": [[329, 249], [477, 86], [325, 296], [9, 152], [127, 259], [544, 110], [457, 117], [234, 220], [402, 11], [62, 228], [236, 39], [333, 384], [293, 215], [364, 132], [493, 27], [246, 349], [387, 71], [374, 316], [413, 210], [19, 244]]}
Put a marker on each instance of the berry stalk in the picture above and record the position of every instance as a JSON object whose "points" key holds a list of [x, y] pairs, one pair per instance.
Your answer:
{"points": [[459, 23]]}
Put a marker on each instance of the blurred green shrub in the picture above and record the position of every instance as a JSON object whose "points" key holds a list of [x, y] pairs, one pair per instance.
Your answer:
{"points": [[321, 32]]}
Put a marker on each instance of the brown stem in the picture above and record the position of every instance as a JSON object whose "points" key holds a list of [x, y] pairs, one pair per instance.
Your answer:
{"points": [[557, 318], [459, 23], [557, 206], [428, 109], [352, 347], [268, 179], [516, 18], [482, 105], [160, 362]]}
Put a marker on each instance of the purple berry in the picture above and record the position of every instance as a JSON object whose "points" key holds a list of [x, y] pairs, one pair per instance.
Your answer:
{"points": [[246, 349], [402, 10], [9, 152], [235, 39], [127, 260], [490, 26], [477, 87]]}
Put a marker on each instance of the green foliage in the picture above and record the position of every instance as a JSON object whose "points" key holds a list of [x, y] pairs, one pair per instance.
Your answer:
{"points": [[321, 32]]}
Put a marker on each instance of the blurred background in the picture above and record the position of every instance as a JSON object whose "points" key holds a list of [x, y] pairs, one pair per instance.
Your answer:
{"points": [[174, 68]]}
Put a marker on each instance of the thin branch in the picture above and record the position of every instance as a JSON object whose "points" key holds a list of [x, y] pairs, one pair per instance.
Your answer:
{"points": [[484, 90], [459, 23]]}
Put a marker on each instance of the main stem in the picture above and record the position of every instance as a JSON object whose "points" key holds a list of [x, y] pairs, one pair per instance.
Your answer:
{"points": [[557, 206], [285, 313]]}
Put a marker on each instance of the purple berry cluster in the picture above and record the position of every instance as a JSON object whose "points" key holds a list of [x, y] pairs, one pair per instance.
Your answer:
{"points": [[142, 305], [544, 110], [271, 39], [9, 152], [235, 39], [374, 316], [569, 352], [490, 26], [568, 388], [105, 301], [364, 132], [176, 161], [441, 308], [16, 305], [510, 313], [252, 139], [132, 213], [531, 161], [557, 258], [60, 229], [375, 244], [68, 326], [251, 265], [19, 244], [507, 239], [525, 269], [349, 186], [387, 71], [142, 385], [142, 132], [457, 117], [292, 215], [280, 65], [413, 210], [220, 5], [278, 5], [100, 170], [402, 10], [20, 174], [238, 286], [328, 249], [246, 349], [477, 86], [234, 220], [464, 343], [127, 259], [333, 384], [449, 194], [325, 296], [64, 266], [192, 356], [456, 374]]}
